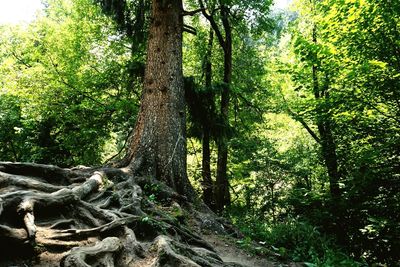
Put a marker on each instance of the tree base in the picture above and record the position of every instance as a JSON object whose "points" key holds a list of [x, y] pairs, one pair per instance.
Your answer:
{"points": [[51, 216]]}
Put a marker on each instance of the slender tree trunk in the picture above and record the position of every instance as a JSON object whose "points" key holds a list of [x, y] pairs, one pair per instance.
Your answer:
{"points": [[157, 147], [328, 146], [222, 182], [208, 192]]}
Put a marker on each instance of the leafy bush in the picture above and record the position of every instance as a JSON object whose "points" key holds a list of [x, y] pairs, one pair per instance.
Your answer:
{"points": [[295, 240]]}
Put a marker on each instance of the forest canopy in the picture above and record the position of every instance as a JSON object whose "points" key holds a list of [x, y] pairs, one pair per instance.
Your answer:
{"points": [[289, 119]]}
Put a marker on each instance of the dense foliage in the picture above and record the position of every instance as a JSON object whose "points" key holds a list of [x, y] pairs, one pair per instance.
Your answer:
{"points": [[66, 86], [313, 123]]}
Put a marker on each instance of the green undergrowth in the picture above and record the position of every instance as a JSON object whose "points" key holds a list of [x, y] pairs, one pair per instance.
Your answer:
{"points": [[291, 240]]}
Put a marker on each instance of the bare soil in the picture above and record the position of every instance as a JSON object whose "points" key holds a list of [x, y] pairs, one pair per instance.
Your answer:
{"points": [[229, 252]]}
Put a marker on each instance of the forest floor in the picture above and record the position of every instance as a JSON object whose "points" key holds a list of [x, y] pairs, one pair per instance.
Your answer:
{"points": [[225, 246], [229, 251], [51, 216]]}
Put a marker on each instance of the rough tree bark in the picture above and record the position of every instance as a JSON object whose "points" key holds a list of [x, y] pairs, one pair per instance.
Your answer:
{"points": [[158, 145]]}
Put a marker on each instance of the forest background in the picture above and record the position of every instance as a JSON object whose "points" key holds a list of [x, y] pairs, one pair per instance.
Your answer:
{"points": [[309, 115]]}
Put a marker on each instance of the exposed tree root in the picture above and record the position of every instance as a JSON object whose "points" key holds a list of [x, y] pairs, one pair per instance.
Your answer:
{"points": [[102, 253], [96, 217]]}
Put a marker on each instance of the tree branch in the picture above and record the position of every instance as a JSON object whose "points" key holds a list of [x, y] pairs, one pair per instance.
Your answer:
{"points": [[305, 125], [193, 12], [189, 29], [62, 80], [213, 23], [298, 118], [249, 104], [18, 58]]}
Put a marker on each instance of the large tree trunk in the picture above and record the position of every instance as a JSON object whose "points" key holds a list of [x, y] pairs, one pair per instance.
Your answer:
{"points": [[158, 145], [222, 183]]}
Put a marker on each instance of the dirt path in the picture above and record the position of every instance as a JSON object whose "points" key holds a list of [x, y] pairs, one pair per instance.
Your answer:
{"points": [[230, 252]]}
